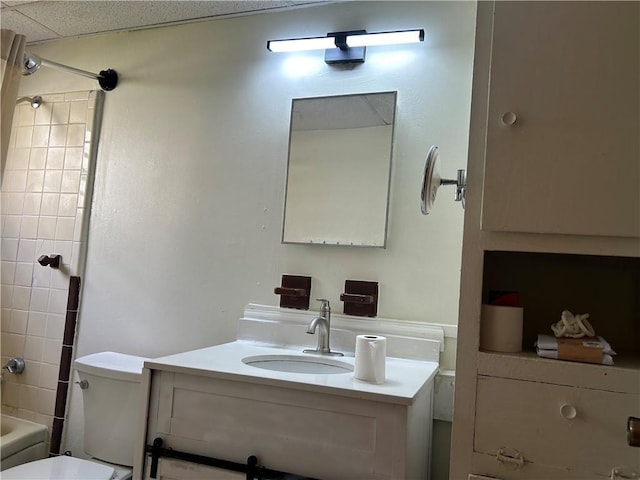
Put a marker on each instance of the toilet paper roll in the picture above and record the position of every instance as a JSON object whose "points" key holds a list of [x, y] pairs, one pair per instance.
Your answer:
{"points": [[501, 328], [371, 353]]}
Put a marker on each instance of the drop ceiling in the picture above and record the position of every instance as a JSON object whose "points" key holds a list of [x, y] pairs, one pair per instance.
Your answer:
{"points": [[45, 20]]}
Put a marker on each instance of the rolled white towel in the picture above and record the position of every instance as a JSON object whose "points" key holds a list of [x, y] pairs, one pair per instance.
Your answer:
{"points": [[573, 326]]}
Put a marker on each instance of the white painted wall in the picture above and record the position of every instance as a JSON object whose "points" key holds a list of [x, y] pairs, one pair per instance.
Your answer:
{"points": [[187, 213]]}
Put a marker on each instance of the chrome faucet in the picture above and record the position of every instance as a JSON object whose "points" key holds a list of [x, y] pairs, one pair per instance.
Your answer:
{"points": [[323, 322]]}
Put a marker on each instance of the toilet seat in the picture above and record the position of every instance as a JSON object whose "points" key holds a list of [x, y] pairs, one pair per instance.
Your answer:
{"points": [[59, 468]]}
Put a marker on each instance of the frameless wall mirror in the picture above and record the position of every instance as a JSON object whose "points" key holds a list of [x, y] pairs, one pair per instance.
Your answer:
{"points": [[339, 170]]}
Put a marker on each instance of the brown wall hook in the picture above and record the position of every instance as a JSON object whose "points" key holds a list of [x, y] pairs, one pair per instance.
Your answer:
{"points": [[360, 298], [294, 292]]}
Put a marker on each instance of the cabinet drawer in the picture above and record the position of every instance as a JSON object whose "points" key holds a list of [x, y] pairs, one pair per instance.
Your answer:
{"points": [[494, 470], [172, 469], [587, 435]]}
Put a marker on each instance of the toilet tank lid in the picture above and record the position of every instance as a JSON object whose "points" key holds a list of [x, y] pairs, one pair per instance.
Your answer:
{"points": [[59, 468], [112, 365]]}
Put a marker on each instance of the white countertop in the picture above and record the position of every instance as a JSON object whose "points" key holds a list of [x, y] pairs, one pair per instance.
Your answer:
{"points": [[404, 378]]}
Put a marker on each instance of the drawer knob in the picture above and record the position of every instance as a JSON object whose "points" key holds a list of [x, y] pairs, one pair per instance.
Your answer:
{"points": [[568, 411], [509, 118], [633, 432]]}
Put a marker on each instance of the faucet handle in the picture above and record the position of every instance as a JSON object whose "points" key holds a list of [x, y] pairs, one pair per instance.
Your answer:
{"points": [[15, 365]]}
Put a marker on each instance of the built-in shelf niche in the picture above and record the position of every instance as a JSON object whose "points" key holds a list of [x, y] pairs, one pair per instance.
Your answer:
{"points": [[608, 288]]}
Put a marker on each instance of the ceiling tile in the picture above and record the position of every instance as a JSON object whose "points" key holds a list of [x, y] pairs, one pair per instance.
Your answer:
{"points": [[44, 20], [11, 3], [83, 17], [14, 20]]}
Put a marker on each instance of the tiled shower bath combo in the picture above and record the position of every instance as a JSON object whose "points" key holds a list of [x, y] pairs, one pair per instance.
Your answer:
{"points": [[46, 195]]}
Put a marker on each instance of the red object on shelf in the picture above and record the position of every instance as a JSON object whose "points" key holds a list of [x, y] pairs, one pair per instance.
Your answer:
{"points": [[504, 299]]}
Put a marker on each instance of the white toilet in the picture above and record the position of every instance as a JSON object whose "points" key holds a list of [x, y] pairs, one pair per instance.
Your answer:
{"points": [[110, 385]]}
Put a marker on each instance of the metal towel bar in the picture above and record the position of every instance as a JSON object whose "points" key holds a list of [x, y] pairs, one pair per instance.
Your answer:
{"points": [[251, 468]]}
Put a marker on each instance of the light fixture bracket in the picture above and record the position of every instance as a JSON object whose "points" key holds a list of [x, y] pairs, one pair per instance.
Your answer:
{"points": [[344, 54]]}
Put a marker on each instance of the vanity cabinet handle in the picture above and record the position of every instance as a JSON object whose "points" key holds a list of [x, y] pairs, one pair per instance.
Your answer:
{"points": [[633, 431], [568, 411]]}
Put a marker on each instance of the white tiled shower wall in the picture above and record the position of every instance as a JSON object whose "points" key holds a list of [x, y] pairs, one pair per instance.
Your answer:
{"points": [[42, 213]]}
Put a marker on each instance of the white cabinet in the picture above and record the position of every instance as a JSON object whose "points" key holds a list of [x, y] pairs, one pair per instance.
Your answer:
{"points": [[215, 402], [308, 433], [553, 212], [526, 417], [563, 124]]}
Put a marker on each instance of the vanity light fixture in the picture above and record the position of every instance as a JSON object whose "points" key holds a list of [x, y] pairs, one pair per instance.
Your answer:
{"points": [[346, 47]]}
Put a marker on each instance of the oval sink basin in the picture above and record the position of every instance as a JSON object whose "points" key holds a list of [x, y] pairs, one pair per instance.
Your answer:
{"points": [[298, 364]]}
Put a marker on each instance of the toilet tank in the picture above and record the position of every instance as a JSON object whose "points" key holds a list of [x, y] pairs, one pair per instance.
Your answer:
{"points": [[112, 404]]}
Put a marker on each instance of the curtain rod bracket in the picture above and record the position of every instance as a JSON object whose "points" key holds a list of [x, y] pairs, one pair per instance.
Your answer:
{"points": [[108, 79]]}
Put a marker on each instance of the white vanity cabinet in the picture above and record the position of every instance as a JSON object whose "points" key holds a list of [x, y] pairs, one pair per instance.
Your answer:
{"points": [[553, 213], [562, 148], [306, 433], [326, 426]]}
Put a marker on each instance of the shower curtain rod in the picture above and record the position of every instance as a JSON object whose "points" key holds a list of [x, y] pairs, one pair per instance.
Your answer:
{"points": [[108, 79]]}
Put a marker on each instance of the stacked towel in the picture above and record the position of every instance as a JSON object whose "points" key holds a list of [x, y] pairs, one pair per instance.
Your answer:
{"points": [[585, 349]]}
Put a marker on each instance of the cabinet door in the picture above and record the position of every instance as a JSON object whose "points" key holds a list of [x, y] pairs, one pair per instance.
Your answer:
{"points": [[563, 147], [288, 430]]}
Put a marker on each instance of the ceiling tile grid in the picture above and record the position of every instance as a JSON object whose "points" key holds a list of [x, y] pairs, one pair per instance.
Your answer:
{"points": [[48, 20]]}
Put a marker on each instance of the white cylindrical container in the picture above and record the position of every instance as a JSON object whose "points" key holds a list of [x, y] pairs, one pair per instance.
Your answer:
{"points": [[371, 354], [501, 328]]}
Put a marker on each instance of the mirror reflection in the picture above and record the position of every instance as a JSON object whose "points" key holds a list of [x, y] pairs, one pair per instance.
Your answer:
{"points": [[339, 170]]}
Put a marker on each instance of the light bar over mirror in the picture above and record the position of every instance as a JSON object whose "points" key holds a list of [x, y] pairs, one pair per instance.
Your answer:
{"points": [[346, 47]]}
